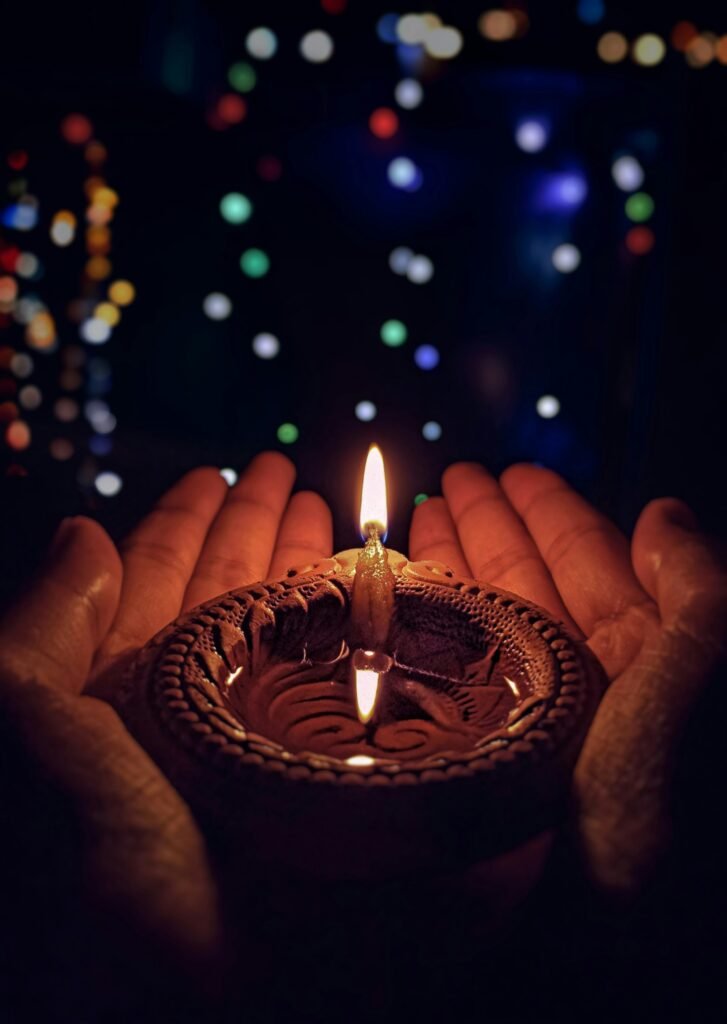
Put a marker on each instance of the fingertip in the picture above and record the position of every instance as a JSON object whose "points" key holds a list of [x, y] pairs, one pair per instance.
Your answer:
{"points": [[521, 476], [87, 533], [90, 563], [460, 471], [673, 511], [274, 461], [659, 529], [207, 478]]}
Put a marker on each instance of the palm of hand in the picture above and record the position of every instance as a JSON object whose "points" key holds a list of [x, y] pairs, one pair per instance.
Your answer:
{"points": [[145, 859], [531, 534], [653, 616]]}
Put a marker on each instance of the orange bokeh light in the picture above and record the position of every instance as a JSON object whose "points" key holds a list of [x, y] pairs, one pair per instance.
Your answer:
{"points": [[8, 289], [98, 268], [17, 436]]}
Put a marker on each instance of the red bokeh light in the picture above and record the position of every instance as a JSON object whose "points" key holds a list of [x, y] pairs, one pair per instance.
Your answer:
{"points": [[77, 129], [682, 35], [269, 168], [334, 6], [640, 240], [231, 108], [8, 412], [384, 123], [17, 160], [9, 258]]}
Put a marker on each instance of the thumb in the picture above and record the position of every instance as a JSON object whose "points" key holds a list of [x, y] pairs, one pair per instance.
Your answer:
{"points": [[52, 631], [684, 571]]}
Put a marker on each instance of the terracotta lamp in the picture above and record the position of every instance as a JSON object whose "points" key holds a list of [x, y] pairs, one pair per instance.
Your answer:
{"points": [[367, 716]]}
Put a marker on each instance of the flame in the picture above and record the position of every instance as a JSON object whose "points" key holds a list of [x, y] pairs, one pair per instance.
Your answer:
{"points": [[373, 494], [367, 689]]}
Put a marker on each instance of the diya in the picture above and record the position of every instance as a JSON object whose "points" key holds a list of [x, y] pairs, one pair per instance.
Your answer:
{"points": [[366, 716]]}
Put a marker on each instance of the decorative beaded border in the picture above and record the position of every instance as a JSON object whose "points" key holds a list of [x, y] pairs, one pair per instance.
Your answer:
{"points": [[210, 732]]}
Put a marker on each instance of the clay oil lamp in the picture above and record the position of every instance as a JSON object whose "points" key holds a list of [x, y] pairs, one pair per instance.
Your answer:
{"points": [[366, 716]]}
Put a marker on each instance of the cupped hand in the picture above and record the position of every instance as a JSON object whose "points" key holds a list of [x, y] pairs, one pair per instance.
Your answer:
{"points": [[654, 615], [144, 860]]}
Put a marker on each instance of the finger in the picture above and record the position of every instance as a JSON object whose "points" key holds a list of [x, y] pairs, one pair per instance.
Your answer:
{"points": [[159, 558], [586, 554], [306, 533], [645, 713], [51, 634], [682, 570], [499, 549], [240, 544], [433, 537]]}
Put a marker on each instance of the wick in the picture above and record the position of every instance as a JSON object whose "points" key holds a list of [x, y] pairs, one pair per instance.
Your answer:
{"points": [[372, 599]]}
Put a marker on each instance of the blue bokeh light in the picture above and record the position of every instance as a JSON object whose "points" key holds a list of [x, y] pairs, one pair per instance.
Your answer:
{"points": [[426, 357]]}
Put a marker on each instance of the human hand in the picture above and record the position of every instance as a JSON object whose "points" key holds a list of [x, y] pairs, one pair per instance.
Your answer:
{"points": [[654, 616], [145, 867]]}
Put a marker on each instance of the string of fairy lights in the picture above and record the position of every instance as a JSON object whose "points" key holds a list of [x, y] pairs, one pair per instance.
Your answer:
{"points": [[73, 395]]}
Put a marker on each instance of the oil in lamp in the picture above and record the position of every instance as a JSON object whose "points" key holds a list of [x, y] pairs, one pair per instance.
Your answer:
{"points": [[366, 716]]}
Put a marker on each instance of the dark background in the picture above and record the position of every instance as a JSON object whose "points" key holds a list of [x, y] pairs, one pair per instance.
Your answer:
{"points": [[633, 346]]}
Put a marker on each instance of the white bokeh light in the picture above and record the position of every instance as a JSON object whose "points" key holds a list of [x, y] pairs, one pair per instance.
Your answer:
{"points": [[566, 258], [30, 396], [408, 93], [27, 265], [531, 136], [365, 411], [108, 484], [217, 306], [443, 42], [229, 475], [432, 430], [412, 29], [95, 330], [628, 173], [399, 259], [316, 46], [261, 43], [404, 173], [547, 406], [21, 364], [265, 346], [420, 269]]}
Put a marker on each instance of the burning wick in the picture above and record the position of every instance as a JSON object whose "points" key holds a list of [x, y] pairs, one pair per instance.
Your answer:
{"points": [[372, 599]]}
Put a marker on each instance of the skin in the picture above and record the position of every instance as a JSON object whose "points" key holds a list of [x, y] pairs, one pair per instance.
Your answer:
{"points": [[653, 614]]}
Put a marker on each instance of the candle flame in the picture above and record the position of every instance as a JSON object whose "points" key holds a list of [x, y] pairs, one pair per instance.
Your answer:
{"points": [[373, 495], [367, 688]]}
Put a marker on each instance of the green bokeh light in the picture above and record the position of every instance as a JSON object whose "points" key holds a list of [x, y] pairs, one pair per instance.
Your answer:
{"points": [[639, 207], [235, 208], [255, 263], [393, 333], [420, 498], [242, 77], [288, 433]]}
